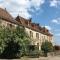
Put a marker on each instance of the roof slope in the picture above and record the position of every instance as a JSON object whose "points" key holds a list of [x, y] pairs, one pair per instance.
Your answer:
{"points": [[22, 21], [6, 16], [34, 26]]}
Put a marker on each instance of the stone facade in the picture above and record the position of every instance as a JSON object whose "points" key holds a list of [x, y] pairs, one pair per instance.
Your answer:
{"points": [[37, 33]]}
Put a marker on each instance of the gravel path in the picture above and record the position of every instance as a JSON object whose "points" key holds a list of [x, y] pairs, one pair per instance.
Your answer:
{"points": [[41, 58]]}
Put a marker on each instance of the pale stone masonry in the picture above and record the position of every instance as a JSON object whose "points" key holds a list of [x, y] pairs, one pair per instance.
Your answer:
{"points": [[37, 33]]}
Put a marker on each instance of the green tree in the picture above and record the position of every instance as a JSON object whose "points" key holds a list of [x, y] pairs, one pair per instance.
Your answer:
{"points": [[2, 37], [46, 47], [13, 42], [24, 38]]}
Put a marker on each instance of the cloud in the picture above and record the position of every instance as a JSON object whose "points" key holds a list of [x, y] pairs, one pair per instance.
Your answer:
{"points": [[4, 3], [22, 7], [54, 3], [56, 21], [36, 4], [48, 27]]}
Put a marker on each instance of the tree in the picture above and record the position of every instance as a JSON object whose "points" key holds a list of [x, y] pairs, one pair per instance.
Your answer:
{"points": [[13, 42], [25, 39], [46, 47], [2, 37]]}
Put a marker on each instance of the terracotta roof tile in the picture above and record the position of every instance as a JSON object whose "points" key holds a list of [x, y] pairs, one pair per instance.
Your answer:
{"points": [[6, 16], [28, 23], [22, 21]]}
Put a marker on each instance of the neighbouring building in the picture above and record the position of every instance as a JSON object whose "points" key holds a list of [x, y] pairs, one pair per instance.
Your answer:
{"points": [[37, 33]]}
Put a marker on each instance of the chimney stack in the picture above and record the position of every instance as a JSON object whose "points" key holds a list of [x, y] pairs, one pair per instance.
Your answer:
{"points": [[37, 24], [30, 19], [29, 22]]}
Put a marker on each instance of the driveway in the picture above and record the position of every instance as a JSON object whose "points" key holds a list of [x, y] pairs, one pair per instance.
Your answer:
{"points": [[41, 58]]}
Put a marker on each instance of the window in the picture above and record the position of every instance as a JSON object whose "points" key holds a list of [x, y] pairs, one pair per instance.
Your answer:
{"points": [[10, 25], [37, 35], [31, 34], [38, 44], [44, 37]]}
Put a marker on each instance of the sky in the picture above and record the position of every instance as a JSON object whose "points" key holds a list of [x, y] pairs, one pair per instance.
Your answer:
{"points": [[44, 12]]}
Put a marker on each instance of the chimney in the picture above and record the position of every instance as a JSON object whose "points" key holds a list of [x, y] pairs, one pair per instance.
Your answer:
{"points": [[17, 18], [37, 24], [29, 21], [5, 9]]}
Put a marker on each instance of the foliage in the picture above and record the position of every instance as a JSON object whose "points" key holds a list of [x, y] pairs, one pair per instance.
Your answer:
{"points": [[46, 47], [13, 42], [33, 51]]}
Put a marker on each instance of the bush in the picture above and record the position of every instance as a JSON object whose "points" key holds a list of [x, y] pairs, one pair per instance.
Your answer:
{"points": [[12, 50], [13, 42], [41, 53], [46, 47], [33, 52]]}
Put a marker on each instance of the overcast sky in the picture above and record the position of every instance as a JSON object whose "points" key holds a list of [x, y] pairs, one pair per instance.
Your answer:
{"points": [[44, 12]]}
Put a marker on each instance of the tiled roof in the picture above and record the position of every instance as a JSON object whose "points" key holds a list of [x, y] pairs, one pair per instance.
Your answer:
{"points": [[34, 26], [24, 22], [6, 16]]}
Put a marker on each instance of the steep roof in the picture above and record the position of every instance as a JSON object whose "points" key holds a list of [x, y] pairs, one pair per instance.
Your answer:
{"points": [[6, 16], [24, 22], [34, 26]]}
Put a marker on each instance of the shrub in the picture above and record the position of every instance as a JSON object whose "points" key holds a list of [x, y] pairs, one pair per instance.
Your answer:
{"points": [[13, 42], [32, 52], [46, 47]]}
